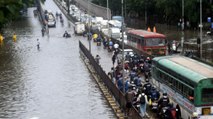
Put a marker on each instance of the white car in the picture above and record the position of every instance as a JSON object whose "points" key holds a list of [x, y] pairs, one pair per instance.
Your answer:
{"points": [[51, 20]]}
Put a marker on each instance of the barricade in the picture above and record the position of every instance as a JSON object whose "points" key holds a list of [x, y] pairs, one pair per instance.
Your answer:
{"points": [[118, 95]]}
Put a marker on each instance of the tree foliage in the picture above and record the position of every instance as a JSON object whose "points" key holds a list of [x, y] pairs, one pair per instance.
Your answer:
{"points": [[166, 11], [10, 9]]}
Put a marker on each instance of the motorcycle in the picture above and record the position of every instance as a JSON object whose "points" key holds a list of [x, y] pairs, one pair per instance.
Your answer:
{"points": [[67, 35], [168, 113], [154, 105]]}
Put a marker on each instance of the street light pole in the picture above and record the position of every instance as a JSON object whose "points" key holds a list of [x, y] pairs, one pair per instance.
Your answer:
{"points": [[108, 17], [89, 34], [182, 26], [108, 10], [182, 9], [201, 26], [122, 29], [145, 14], [68, 6]]}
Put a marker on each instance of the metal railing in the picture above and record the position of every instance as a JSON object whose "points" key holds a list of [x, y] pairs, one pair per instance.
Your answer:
{"points": [[118, 95]]}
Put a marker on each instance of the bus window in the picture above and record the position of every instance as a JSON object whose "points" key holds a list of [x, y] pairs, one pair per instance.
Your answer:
{"points": [[180, 85], [134, 39], [191, 95], [170, 81], [185, 91], [207, 94], [142, 41], [176, 84], [155, 42]]}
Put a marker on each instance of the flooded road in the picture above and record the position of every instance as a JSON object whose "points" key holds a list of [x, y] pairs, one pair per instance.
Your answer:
{"points": [[50, 83]]}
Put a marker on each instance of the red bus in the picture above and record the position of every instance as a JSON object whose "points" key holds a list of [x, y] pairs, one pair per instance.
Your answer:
{"points": [[149, 42]]}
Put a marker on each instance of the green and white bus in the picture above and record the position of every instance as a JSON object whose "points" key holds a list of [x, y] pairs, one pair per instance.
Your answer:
{"points": [[187, 82]]}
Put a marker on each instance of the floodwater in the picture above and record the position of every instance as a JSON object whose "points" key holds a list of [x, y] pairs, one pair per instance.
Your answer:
{"points": [[49, 83]]}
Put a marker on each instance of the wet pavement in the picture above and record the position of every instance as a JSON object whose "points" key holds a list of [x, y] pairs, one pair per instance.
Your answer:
{"points": [[50, 83]]}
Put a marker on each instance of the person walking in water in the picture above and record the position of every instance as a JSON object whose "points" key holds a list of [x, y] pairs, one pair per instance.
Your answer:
{"points": [[97, 58], [1, 39], [38, 44], [14, 37]]}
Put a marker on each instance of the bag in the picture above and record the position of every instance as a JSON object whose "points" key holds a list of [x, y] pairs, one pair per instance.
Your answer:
{"points": [[150, 102], [142, 100]]}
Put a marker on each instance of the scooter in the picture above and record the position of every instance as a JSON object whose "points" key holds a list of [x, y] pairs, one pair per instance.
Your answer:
{"points": [[67, 35]]}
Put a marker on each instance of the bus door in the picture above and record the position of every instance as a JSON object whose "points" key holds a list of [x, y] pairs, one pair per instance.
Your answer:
{"points": [[147, 47], [141, 44]]}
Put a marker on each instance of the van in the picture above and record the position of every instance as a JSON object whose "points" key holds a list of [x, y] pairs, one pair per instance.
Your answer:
{"points": [[119, 18], [79, 28], [114, 33]]}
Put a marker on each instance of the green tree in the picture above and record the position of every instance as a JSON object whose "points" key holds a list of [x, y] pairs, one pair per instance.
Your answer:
{"points": [[165, 11], [9, 9]]}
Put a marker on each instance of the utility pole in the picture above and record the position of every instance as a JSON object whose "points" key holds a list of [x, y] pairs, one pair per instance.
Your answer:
{"points": [[122, 29], [68, 6], [89, 33], [108, 10], [182, 27], [201, 26], [108, 17], [145, 14]]}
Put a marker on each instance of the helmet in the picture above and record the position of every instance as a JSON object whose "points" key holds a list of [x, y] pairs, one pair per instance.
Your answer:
{"points": [[153, 87], [164, 94], [148, 58], [195, 114]]}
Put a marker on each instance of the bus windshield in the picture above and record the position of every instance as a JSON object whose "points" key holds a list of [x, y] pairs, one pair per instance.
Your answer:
{"points": [[155, 42]]}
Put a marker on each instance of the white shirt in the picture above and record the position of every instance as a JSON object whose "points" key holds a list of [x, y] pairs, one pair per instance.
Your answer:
{"points": [[116, 46]]}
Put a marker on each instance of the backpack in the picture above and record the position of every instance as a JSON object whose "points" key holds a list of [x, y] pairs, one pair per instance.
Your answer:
{"points": [[142, 100], [165, 101]]}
